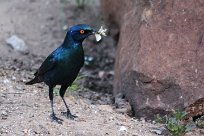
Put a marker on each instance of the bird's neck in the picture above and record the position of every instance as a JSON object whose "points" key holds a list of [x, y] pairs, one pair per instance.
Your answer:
{"points": [[69, 42]]}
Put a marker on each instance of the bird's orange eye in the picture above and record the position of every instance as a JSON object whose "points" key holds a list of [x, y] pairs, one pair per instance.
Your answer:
{"points": [[81, 31]]}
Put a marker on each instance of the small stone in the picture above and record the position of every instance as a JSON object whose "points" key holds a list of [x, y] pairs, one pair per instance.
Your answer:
{"points": [[4, 115], [202, 132], [189, 134], [65, 27], [13, 78], [160, 131], [25, 131], [111, 72], [122, 110], [88, 60], [6, 81], [157, 131], [142, 120], [107, 108], [17, 44], [18, 88], [123, 129], [101, 74]]}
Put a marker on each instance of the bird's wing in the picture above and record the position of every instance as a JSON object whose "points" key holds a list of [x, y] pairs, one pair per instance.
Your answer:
{"points": [[46, 66]]}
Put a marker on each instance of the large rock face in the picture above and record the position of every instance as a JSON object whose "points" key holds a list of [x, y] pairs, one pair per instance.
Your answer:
{"points": [[160, 53]]}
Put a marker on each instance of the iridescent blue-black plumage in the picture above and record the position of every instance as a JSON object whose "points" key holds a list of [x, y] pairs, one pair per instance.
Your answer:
{"points": [[62, 66]]}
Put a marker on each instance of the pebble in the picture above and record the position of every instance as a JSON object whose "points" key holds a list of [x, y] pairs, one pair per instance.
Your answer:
{"points": [[106, 108], [157, 131], [19, 88], [101, 74], [17, 44], [6, 81], [123, 129], [4, 115], [65, 27], [13, 78], [160, 131], [88, 60], [122, 110]]}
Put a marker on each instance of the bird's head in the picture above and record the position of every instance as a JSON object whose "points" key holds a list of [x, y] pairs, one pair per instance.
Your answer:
{"points": [[80, 32]]}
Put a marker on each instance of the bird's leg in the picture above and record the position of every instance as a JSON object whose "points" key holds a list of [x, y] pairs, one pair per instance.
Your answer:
{"points": [[53, 116], [68, 113]]}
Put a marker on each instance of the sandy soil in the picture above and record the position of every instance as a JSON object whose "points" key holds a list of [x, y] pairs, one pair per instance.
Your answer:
{"points": [[24, 110]]}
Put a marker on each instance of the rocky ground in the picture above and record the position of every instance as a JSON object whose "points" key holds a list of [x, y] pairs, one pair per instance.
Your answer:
{"points": [[24, 110]]}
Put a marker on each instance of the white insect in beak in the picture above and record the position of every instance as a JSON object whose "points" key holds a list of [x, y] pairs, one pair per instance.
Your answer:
{"points": [[101, 32]]}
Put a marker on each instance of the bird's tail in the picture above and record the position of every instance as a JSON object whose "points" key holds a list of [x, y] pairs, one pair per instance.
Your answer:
{"points": [[33, 81]]}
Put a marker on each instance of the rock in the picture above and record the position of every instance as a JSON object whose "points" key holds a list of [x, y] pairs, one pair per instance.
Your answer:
{"points": [[123, 110], [17, 44], [159, 131], [88, 60], [65, 27], [6, 81], [105, 74], [121, 104], [202, 132], [4, 115], [195, 110], [107, 108], [160, 53], [101, 74], [200, 122], [13, 78], [123, 129]]}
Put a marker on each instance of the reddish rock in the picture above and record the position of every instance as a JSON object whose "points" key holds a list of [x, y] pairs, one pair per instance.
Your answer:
{"points": [[195, 110], [160, 53]]}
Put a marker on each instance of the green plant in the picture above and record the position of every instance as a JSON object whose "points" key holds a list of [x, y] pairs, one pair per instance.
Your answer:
{"points": [[161, 120], [56, 91], [75, 85], [175, 124], [71, 89]]}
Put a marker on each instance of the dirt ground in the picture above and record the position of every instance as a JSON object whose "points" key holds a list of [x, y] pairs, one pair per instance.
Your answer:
{"points": [[25, 110]]}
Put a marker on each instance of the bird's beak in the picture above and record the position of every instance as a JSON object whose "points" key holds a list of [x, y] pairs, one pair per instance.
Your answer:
{"points": [[93, 31]]}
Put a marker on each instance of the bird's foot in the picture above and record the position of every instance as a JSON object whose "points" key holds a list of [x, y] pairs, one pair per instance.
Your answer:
{"points": [[56, 119], [68, 115]]}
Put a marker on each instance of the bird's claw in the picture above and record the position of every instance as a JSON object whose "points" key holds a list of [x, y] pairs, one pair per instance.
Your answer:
{"points": [[68, 115], [56, 119]]}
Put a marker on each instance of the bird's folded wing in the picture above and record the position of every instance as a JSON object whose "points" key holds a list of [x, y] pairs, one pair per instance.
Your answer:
{"points": [[46, 66]]}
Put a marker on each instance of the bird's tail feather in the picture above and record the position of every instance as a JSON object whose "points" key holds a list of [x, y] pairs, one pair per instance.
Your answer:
{"points": [[33, 81]]}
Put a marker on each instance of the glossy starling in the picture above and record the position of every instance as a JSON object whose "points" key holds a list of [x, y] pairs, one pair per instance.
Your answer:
{"points": [[62, 66]]}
